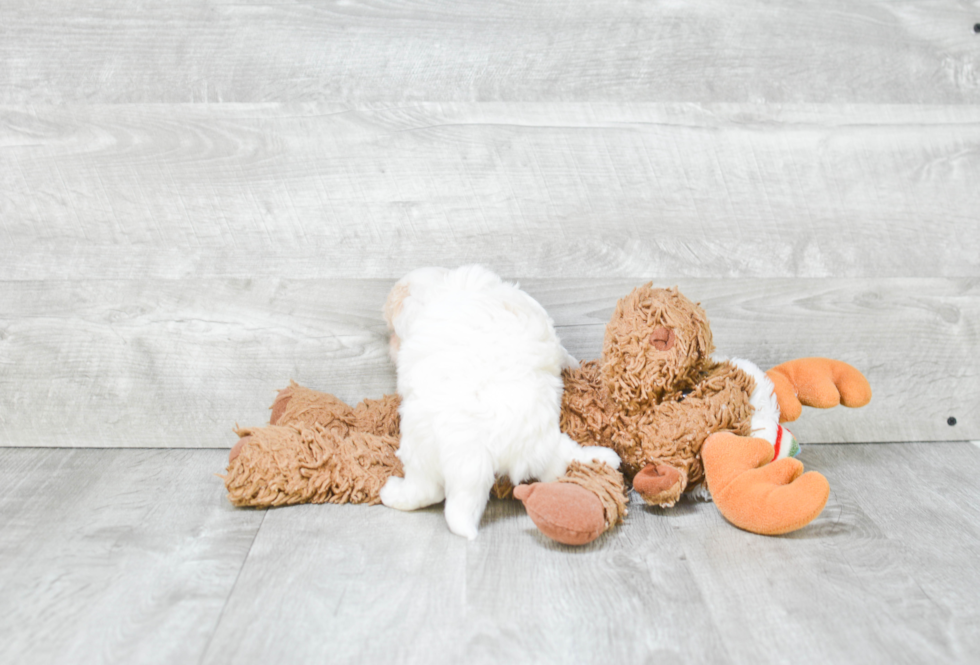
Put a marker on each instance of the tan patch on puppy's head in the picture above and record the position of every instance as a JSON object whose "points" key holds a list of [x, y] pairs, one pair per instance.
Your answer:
{"points": [[394, 302], [394, 343], [393, 307]]}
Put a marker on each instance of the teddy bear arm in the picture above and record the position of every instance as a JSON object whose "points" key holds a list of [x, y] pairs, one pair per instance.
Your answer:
{"points": [[586, 412], [666, 454], [657, 459], [298, 405]]}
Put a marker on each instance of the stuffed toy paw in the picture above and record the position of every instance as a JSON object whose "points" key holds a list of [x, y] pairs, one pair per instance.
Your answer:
{"points": [[580, 506], [564, 512], [659, 484]]}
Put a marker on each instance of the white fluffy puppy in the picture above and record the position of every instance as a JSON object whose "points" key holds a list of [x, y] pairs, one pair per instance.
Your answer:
{"points": [[479, 374]]}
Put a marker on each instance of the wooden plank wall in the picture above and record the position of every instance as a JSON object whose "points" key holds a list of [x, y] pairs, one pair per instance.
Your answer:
{"points": [[199, 202]]}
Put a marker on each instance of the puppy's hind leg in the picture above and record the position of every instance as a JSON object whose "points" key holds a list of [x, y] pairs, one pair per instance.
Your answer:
{"points": [[416, 490], [469, 477]]}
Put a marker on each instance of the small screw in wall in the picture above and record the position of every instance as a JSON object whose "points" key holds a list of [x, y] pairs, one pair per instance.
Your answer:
{"points": [[951, 421]]}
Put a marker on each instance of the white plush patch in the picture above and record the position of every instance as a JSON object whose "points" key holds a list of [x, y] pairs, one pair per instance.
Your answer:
{"points": [[699, 493], [765, 417]]}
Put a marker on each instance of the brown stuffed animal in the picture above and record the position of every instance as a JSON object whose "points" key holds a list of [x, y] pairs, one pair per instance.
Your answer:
{"points": [[676, 418], [679, 419]]}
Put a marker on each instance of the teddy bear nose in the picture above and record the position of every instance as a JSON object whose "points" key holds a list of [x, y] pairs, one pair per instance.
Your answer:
{"points": [[662, 338]]}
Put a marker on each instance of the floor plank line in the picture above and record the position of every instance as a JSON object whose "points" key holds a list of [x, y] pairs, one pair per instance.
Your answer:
{"points": [[231, 591]]}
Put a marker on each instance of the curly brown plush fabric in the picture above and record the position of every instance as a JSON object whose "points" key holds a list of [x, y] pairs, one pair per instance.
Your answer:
{"points": [[317, 450], [656, 395], [655, 348], [671, 431], [291, 464]]}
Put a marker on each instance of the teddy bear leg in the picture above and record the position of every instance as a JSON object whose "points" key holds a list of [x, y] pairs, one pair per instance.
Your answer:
{"points": [[587, 501], [297, 405], [282, 465], [756, 494], [310, 408], [660, 484], [818, 382], [279, 404]]}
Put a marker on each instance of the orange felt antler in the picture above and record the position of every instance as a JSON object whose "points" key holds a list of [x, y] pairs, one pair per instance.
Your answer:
{"points": [[818, 382], [768, 499]]}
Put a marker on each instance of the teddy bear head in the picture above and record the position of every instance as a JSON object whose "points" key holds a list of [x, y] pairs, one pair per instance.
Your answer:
{"points": [[656, 344]]}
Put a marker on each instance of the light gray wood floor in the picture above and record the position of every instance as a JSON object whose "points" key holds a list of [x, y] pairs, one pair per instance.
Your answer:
{"points": [[134, 556]]}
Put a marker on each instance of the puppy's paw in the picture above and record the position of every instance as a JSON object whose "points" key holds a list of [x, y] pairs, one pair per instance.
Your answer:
{"points": [[392, 494], [461, 520], [461, 525], [463, 513], [403, 494], [599, 454]]}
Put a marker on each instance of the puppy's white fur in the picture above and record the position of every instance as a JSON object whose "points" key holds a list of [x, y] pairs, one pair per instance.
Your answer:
{"points": [[479, 374]]}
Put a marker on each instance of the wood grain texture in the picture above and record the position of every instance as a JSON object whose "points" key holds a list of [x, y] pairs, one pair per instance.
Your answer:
{"points": [[881, 576], [376, 585], [466, 50], [930, 517], [677, 585], [532, 190], [115, 556], [175, 363], [134, 556]]}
